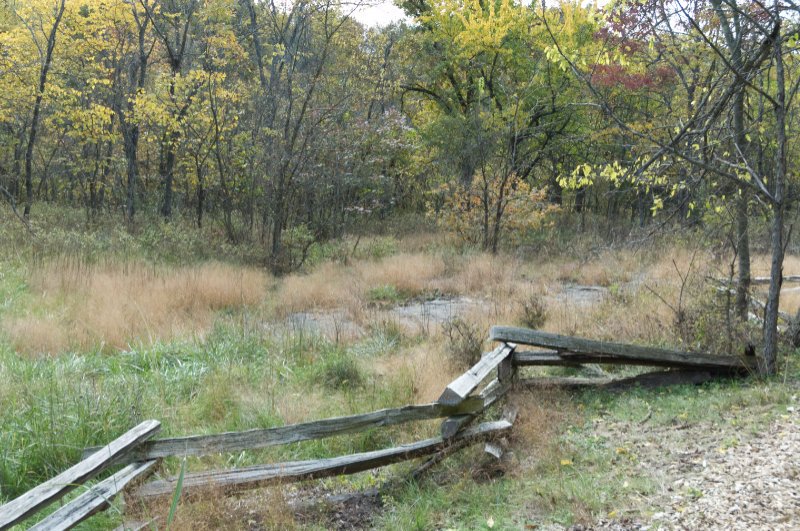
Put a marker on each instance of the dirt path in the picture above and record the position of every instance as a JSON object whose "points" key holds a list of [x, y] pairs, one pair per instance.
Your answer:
{"points": [[717, 482], [755, 485]]}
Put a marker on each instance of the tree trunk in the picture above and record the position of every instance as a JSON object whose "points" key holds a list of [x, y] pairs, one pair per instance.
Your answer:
{"points": [[19, 152], [742, 257], [167, 172], [251, 12], [130, 137], [767, 364], [37, 106], [277, 231], [201, 195], [580, 199], [124, 109], [742, 237], [732, 32]]}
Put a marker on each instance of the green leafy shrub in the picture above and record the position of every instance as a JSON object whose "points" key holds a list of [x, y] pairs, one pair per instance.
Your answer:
{"points": [[385, 293]]}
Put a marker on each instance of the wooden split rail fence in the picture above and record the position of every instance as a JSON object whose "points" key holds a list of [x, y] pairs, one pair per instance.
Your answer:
{"points": [[463, 401], [728, 285], [559, 350]]}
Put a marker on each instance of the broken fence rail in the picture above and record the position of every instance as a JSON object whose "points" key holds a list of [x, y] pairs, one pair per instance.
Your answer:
{"points": [[457, 404], [95, 499], [569, 349], [460, 388]]}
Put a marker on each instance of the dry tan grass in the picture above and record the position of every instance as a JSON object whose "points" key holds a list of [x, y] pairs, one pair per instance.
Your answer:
{"points": [[38, 335], [330, 285], [482, 274], [760, 265], [554, 272], [213, 509], [498, 310], [300, 407], [421, 241], [628, 311], [791, 265], [790, 300], [596, 273], [611, 268], [629, 317], [79, 305], [541, 413], [790, 293], [409, 273], [644, 311], [118, 304], [679, 260], [429, 367], [334, 285]]}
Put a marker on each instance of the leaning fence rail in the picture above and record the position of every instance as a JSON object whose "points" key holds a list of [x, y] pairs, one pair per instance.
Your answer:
{"points": [[54, 489], [584, 350], [95, 499]]}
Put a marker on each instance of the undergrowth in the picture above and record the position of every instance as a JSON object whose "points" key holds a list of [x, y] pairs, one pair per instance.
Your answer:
{"points": [[243, 364]]}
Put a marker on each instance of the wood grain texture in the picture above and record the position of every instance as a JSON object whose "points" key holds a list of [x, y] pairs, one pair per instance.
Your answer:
{"points": [[20, 508], [527, 358], [259, 476], [537, 358], [262, 438], [648, 380], [579, 349], [93, 500], [490, 395], [460, 388]]}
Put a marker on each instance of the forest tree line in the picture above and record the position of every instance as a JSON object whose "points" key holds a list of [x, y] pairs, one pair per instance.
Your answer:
{"points": [[293, 123]]}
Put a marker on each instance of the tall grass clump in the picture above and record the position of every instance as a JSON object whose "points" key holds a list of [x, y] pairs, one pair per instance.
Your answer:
{"points": [[330, 285], [411, 274], [83, 306], [51, 410]]}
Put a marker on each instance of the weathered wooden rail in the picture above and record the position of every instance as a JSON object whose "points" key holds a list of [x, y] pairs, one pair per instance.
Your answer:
{"points": [[459, 404], [198, 445], [758, 280], [559, 350], [54, 489], [264, 475], [567, 349]]}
